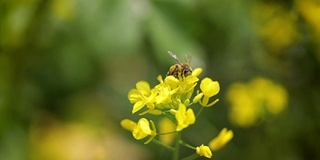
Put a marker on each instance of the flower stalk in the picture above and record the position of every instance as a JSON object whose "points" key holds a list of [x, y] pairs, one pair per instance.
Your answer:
{"points": [[172, 98]]}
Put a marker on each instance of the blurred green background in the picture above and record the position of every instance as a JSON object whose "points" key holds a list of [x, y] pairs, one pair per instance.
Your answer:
{"points": [[66, 67]]}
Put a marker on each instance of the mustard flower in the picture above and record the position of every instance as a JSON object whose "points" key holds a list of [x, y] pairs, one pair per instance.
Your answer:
{"points": [[196, 72], [165, 92], [173, 95], [186, 84], [204, 151], [310, 10], [209, 89], [223, 138], [141, 129], [141, 96], [244, 112], [250, 101], [184, 117], [275, 25]]}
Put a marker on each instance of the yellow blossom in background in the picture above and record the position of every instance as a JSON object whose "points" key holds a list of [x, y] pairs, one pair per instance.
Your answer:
{"points": [[275, 25], [165, 126], [243, 112], [278, 100], [250, 101], [58, 142], [204, 151], [64, 10], [310, 11], [222, 139], [184, 117]]}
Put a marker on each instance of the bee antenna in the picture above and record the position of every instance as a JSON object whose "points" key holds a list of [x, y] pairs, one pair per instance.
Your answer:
{"points": [[174, 56]]}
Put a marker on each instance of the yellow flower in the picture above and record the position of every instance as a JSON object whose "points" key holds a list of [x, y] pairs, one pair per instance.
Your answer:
{"points": [[141, 129], [250, 101], [164, 93], [243, 111], [142, 96], [204, 151], [128, 124], [186, 84], [277, 100], [196, 72], [209, 89], [223, 138], [184, 117], [310, 11], [275, 25], [64, 10]]}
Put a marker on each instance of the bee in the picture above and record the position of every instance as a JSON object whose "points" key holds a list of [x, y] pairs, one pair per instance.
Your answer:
{"points": [[180, 69]]}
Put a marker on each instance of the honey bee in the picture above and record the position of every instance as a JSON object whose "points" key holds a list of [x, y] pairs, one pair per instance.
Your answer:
{"points": [[180, 69]]}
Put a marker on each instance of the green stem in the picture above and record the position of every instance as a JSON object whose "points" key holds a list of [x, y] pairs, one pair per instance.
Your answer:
{"points": [[177, 147], [200, 111], [163, 145], [187, 145], [167, 133], [191, 157]]}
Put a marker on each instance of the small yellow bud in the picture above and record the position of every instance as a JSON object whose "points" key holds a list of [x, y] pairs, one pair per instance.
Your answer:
{"points": [[223, 138], [204, 151]]}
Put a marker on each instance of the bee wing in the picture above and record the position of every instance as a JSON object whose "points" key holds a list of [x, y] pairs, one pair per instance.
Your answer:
{"points": [[188, 58], [174, 57]]}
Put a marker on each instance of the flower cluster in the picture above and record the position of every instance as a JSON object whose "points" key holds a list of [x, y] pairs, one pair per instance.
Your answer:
{"points": [[172, 98], [250, 102]]}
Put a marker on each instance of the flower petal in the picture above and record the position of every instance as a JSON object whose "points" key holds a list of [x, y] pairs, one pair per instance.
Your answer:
{"points": [[209, 87], [134, 96], [144, 126], [128, 124], [196, 72], [137, 106], [223, 138], [143, 87]]}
